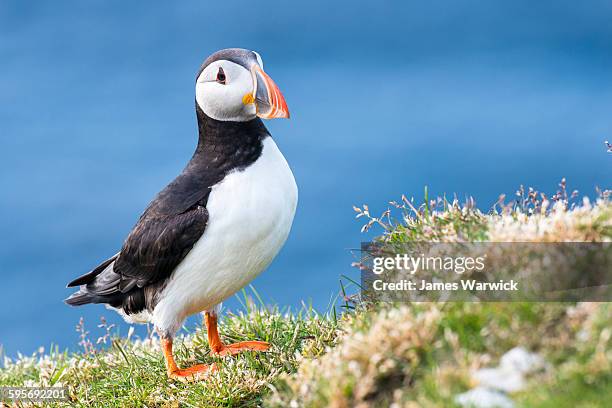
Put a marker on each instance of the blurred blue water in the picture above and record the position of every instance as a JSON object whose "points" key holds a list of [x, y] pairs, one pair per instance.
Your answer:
{"points": [[96, 115]]}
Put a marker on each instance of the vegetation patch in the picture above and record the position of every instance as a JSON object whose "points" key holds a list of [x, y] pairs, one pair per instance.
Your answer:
{"points": [[372, 355]]}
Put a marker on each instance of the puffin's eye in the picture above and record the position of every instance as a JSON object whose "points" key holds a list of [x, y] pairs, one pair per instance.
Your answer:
{"points": [[221, 76]]}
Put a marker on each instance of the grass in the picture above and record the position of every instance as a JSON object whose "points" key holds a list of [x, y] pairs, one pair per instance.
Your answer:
{"points": [[373, 355], [409, 355], [132, 373]]}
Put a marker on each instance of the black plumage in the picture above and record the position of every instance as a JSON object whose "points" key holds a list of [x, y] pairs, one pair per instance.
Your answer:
{"points": [[174, 221]]}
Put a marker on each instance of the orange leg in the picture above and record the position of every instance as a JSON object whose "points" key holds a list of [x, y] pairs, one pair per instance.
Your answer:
{"points": [[218, 348], [196, 372]]}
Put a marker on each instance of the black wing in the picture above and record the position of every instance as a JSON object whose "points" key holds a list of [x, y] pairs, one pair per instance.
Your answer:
{"points": [[156, 246], [167, 230], [151, 252]]}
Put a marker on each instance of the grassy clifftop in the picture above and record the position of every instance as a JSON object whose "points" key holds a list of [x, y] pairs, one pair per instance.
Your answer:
{"points": [[373, 355], [428, 354]]}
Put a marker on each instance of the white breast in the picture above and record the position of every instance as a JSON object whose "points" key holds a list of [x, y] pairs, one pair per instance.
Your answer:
{"points": [[250, 215]]}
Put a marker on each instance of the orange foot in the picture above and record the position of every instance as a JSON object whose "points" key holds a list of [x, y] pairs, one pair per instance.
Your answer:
{"points": [[195, 373], [233, 349]]}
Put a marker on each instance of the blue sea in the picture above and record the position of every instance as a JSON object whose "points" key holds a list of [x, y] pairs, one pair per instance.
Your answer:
{"points": [[97, 115]]}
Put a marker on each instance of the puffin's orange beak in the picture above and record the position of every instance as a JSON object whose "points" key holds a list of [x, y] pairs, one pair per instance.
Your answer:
{"points": [[268, 99]]}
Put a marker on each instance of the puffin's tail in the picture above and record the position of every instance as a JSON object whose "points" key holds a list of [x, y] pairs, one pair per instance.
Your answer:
{"points": [[83, 296], [79, 298]]}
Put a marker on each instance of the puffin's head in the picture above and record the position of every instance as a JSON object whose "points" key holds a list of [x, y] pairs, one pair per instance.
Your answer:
{"points": [[232, 86]]}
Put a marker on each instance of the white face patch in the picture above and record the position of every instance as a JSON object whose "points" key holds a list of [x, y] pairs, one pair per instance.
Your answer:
{"points": [[225, 101]]}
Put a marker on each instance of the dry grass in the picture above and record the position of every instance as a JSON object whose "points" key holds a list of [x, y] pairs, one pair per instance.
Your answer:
{"points": [[422, 355]]}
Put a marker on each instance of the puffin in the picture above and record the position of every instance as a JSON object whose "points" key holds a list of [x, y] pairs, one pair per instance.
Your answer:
{"points": [[216, 226]]}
